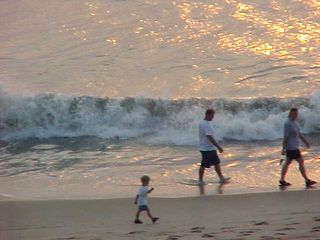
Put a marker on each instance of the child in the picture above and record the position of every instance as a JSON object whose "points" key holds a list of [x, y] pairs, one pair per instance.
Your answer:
{"points": [[141, 199]]}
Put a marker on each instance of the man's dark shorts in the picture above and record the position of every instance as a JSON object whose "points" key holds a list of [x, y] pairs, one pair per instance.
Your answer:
{"points": [[143, 208], [293, 154], [209, 158]]}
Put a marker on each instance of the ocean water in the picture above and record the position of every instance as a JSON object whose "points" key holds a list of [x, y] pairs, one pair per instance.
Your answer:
{"points": [[94, 94]]}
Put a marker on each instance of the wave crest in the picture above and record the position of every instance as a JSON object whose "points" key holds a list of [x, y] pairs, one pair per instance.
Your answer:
{"points": [[157, 121]]}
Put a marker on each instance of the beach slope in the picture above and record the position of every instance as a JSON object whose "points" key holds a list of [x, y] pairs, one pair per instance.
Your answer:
{"points": [[279, 215]]}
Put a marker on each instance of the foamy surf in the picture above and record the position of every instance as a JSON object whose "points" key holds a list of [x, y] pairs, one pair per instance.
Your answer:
{"points": [[160, 121]]}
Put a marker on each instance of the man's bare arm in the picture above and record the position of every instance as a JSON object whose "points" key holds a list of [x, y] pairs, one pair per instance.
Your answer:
{"points": [[284, 145], [304, 140], [214, 142]]}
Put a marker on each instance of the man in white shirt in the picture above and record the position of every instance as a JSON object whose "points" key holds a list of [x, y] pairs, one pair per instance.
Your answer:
{"points": [[207, 147]]}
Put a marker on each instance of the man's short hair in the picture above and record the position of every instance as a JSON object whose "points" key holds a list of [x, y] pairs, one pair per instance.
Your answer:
{"points": [[292, 110], [209, 111]]}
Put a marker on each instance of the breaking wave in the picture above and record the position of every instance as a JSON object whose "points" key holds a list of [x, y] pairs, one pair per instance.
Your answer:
{"points": [[155, 121]]}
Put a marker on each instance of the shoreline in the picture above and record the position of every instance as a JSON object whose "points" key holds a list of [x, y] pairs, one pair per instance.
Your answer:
{"points": [[213, 189], [9, 198]]}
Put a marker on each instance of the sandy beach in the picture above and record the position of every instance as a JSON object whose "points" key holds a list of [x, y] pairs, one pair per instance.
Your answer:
{"points": [[95, 94], [279, 215]]}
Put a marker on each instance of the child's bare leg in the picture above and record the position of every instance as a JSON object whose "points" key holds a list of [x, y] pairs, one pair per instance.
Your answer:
{"points": [[154, 219], [138, 214], [137, 220], [149, 214]]}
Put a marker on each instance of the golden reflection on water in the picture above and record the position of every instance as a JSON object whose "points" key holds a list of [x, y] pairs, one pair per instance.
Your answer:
{"points": [[191, 12], [286, 32], [287, 37], [314, 4], [277, 37], [208, 28]]}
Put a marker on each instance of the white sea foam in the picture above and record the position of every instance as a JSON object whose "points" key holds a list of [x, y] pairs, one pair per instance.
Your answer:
{"points": [[155, 121]]}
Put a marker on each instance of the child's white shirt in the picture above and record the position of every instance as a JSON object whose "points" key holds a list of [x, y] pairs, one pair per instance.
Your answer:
{"points": [[142, 193]]}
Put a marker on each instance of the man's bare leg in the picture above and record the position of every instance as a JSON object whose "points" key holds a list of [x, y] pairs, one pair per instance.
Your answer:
{"points": [[302, 169], [201, 173], [284, 170]]}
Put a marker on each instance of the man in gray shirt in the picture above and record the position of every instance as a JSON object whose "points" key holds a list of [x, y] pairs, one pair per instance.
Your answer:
{"points": [[291, 148]]}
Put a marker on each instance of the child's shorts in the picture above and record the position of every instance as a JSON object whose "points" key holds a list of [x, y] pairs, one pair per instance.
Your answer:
{"points": [[143, 208]]}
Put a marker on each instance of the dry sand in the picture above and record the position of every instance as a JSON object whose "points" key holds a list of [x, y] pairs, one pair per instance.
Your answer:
{"points": [[279, 215]]}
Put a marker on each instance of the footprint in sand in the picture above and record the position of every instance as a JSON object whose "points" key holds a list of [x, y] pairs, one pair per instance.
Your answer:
{"points": [[174, 237], [227, 229], [237, 239], [269, 238], [136, 232], [162, 234], [290, 224], [68, 238], [246, 233], [316, 229], [261, 223], [255, 229], [206, 235], [281, 234], [197, 229], [286, 229]]}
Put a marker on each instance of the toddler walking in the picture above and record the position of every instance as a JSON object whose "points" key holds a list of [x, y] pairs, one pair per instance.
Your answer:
{"points": [[142, 201]]}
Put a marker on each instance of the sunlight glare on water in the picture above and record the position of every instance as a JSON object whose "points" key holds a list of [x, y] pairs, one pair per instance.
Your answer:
{"points": [[170, 49]]}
